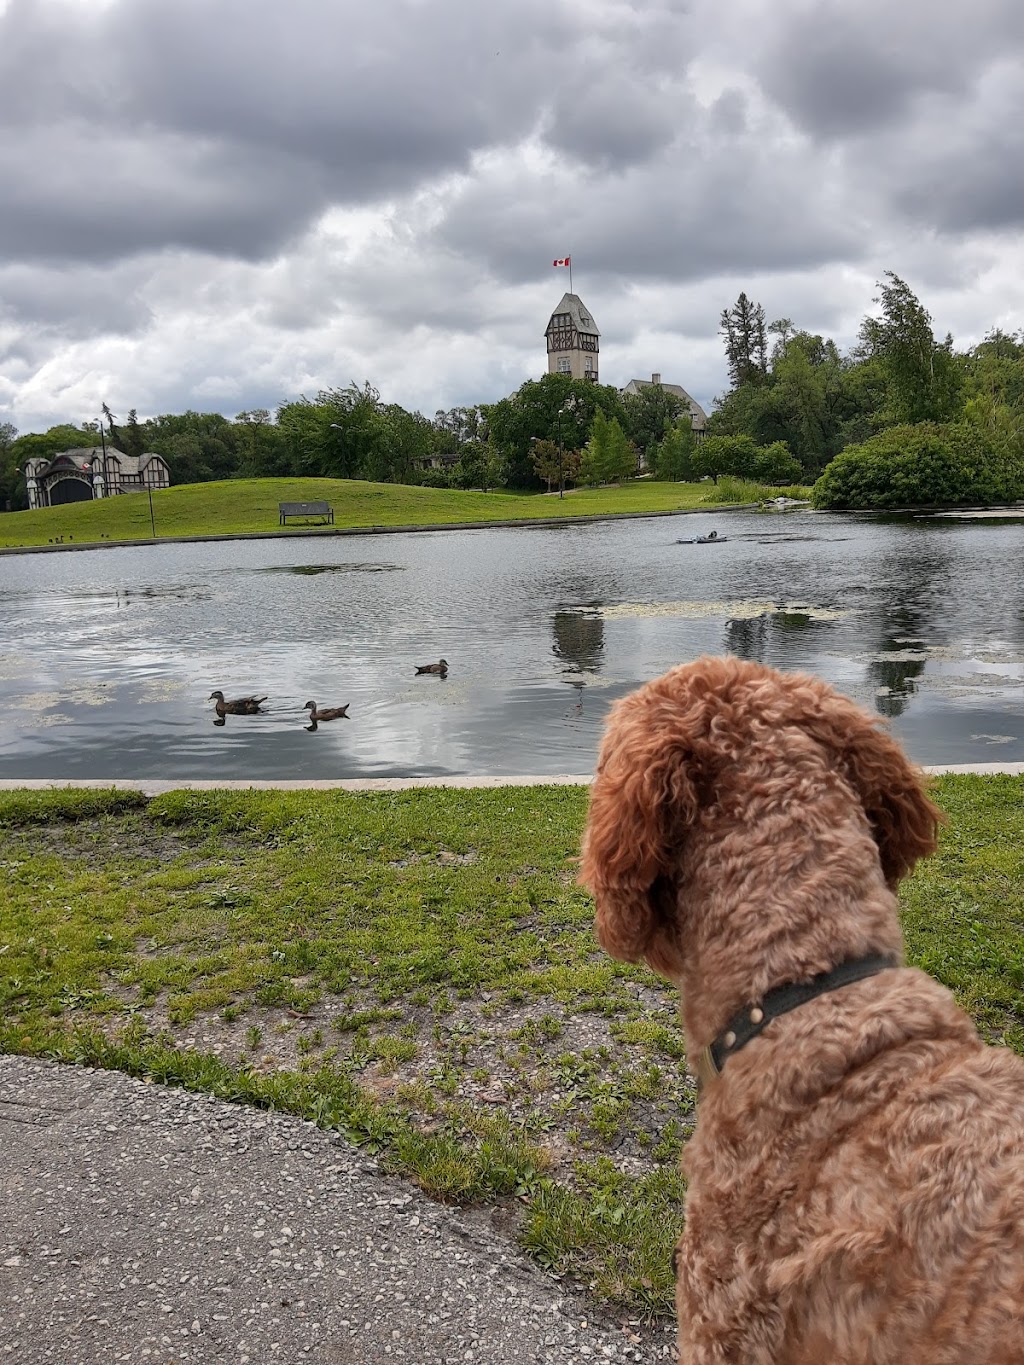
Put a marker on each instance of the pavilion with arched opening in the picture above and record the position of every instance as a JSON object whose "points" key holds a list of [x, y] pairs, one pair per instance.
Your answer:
{"points": [[92, 472]]}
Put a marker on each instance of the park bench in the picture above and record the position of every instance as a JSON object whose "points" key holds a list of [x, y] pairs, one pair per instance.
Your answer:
{"points": [[321, 510]]}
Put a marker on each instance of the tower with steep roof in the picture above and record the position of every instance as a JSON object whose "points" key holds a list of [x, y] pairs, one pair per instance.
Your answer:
{"points": [[573, 340]]}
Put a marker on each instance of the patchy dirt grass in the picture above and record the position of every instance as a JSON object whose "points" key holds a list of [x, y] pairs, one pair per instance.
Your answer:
{"points": [[418, 969]]}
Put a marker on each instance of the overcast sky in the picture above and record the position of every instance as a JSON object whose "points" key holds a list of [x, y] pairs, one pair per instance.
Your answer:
{"points": [[222, 204]]}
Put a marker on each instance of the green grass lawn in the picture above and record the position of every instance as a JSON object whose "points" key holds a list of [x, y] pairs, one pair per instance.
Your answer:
{"points": [[418, 970], [247, 505]]}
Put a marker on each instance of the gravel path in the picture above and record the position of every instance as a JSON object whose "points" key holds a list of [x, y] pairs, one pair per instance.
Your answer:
{"points": [[148, 1224]]}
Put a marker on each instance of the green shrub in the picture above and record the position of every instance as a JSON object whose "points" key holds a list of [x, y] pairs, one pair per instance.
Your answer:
{"points": [[744, 490], [776, 464], [436, 478], [925, 465], [718, 455]]}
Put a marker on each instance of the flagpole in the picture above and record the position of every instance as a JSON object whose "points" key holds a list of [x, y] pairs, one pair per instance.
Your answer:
{"points": [[570, 273]]}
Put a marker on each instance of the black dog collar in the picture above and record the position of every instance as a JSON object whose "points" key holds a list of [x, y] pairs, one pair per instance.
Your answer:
{"points": [[748, 1023]]}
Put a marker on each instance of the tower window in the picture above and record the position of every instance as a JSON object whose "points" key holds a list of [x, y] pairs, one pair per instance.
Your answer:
{"points": [[564, 364]]}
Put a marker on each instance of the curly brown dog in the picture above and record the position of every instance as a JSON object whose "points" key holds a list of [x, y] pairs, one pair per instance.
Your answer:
{"points": [[856, 1177]]}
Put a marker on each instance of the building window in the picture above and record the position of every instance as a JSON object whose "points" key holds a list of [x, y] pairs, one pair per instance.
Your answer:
{"points": [[564, 364]]}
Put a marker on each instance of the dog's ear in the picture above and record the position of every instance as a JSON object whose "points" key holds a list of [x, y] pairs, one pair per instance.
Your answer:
{"points": [[642, 793], [892, 790]]}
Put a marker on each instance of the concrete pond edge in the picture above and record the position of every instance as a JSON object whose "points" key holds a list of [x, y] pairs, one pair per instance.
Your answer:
{"points": [[159, 786], [326, 532]]}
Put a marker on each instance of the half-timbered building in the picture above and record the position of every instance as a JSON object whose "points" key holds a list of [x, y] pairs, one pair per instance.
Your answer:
{"points": [[573, 340], [92, 472]]}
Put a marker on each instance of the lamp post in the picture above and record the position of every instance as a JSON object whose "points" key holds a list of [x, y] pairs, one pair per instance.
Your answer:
{"points": [[561, 480], [106, 478]]}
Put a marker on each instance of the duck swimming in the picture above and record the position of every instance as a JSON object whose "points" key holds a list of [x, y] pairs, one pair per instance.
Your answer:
{"points": [[240, 706], [440, 667], [327, 713]]}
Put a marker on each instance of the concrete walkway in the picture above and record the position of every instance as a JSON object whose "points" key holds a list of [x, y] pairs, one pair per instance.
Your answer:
{"points": [[148, 1224]]}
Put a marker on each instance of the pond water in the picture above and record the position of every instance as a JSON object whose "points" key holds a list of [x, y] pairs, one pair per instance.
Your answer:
{"points": [[107, 657]]}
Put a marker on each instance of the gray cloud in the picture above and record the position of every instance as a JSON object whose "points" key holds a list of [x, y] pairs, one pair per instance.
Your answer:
{"points": [[72, 196], [74, 304], [706, 206], [965, 179], [227, 204], [230, 127], [844, 70]]}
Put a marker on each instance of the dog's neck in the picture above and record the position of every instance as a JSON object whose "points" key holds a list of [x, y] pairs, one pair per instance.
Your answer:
{"points": [[766, 906]]}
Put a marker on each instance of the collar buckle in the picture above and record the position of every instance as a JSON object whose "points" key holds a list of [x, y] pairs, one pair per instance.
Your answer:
{"points": [[706, 1067]]}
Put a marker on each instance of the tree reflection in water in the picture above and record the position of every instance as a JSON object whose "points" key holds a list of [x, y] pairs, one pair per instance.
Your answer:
{"points": [[907, 626], [579, 640]]}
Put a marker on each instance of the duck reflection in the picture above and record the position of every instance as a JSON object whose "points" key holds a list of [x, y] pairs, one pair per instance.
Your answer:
{"points": [[747, 637]]}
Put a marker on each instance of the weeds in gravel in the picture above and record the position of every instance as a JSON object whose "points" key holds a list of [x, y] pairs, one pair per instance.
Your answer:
{"points": [[418, 971]]}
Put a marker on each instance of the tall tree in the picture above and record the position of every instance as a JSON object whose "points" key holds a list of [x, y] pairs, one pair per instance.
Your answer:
{"points": [[609, 456], [198, 446], [746, 342], [674, 459], [133, 439], [262, 445], [718, 455], [548, 462], [782, 329], [776, 464], [553, 408], [334, 434], [10, 475], [922, 379], [112, 431], [645, 414], [594, 463], [352, 428], [403, 441], [457, 426]]}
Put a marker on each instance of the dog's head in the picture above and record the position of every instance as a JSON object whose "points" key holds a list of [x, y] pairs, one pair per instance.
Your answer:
{"points": [[683, 743]]}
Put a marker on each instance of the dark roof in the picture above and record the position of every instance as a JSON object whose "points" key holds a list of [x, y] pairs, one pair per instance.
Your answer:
{"points": [[579, 312]]}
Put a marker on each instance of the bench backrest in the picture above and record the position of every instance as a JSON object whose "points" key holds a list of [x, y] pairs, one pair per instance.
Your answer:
{"points": [[300, 509]]}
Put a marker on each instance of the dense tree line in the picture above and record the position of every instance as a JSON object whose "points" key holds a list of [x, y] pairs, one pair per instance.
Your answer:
{"points": [[903, 420], [911, 419], [350, 433]]}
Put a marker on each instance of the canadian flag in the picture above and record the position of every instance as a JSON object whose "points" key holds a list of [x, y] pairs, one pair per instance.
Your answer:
{"points": [[565, 262]]}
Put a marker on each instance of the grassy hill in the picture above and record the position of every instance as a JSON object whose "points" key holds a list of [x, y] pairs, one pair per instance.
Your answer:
{"points": [[243, 506]]}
